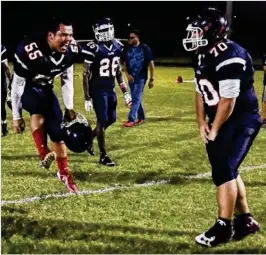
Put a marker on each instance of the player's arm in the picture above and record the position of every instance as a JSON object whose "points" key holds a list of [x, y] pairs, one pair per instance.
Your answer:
{"points": [[122, 85], [201, 118], [229, 90], [150, 59], [67, 87], [6, 69]]}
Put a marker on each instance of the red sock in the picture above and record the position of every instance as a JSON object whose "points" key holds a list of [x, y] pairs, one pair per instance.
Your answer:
{"points": [[62, 164], [40, 139]]}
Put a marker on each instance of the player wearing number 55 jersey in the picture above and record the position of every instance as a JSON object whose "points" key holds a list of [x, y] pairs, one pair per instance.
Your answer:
{"points": [[38, 60], [101, 68], [226, 97]]}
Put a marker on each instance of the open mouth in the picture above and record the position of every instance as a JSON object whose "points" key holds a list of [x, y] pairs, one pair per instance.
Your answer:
{"points": [[64, 46]]}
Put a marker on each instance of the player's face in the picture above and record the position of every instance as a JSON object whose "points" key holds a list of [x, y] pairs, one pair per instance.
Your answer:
{"points": [[62, 38], [133, 39]]}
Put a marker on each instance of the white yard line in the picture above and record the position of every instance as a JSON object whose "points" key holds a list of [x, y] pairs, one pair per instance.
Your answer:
{"points": [[110, 189]]}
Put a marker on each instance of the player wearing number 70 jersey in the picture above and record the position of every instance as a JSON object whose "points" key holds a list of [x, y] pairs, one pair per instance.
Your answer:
{"points": [[226, 97], [101, 68]]}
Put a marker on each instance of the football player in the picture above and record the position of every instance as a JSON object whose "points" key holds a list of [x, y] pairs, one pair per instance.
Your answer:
{"points": [[101, 67], [228, 119], [38, 60], [264, 91], [5, 73]]}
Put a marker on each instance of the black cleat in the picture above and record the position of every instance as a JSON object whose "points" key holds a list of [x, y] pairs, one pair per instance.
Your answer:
{"points": [[217, 234], [244, 225], [105, 160]]}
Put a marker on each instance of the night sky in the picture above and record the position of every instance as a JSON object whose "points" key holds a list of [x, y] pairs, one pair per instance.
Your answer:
{"points": [[162, 24]]}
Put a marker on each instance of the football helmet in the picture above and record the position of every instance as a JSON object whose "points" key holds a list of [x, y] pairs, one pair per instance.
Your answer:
{"points": [[77, 134], [205, 29], [104, 30]]}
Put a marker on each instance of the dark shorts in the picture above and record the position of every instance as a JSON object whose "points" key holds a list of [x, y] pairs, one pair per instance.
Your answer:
{"points": [[105, 107], [43, 101], [230, 148]]}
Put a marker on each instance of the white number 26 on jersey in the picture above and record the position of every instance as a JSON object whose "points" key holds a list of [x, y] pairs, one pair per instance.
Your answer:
{"points": [[210, 95], [108, 67]]}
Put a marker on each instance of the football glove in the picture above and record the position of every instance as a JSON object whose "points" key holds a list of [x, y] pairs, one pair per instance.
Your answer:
{"points": [[88, 105], [128, 100]]}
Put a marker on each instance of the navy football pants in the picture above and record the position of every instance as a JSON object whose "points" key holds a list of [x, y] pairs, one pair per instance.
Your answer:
{"points": [[43, 101], [105, 107], [230, 147]]}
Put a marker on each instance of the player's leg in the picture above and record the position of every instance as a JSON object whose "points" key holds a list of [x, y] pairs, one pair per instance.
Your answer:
{"points": [[53, 126], [33, 101], [244, 224], [100, 104], [226, 188], [4, 127], [141, 113]]}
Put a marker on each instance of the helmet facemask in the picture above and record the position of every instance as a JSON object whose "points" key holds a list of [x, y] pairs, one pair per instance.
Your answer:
{"points": [[104, 32], [194, 38]]}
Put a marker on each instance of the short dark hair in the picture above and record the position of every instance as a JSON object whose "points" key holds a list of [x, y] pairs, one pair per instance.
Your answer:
{"points": [[53, 25], [135, 31]]}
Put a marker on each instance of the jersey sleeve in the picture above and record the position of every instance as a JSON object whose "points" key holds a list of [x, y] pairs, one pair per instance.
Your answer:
{"points": [[3, 54], [230, 69], [89, 52]]}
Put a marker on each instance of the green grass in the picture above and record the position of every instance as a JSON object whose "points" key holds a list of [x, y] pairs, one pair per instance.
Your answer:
{"points": [[154, 219]]}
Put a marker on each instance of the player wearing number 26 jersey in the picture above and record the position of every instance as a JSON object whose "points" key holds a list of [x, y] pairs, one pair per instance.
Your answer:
{"points": [[38, 60], [226, 96], [101, 69]]}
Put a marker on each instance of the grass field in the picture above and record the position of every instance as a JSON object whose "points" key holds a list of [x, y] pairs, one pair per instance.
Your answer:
{"points": [[121, 209]]}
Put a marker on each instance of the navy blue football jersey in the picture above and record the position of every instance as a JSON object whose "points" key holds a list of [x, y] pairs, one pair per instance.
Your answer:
{"points": [[104, 62], [226, 63], [36, 61]]}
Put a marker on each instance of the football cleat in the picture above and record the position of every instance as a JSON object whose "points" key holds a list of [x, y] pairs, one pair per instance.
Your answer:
{"points": [[217, 234], [48, 160], [105, 160], [68, 182], [244, 225]]}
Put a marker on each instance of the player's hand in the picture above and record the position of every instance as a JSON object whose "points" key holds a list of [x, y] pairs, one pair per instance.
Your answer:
{"points": [[19, 126], [130, 78], [88, 105], [70, 115], [212, 135], [151, 84], [128, 100], [204, 131], [8, 99]]}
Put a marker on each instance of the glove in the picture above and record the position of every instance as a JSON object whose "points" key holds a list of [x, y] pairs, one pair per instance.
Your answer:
{"points": [[128, 100], [88, 105]]}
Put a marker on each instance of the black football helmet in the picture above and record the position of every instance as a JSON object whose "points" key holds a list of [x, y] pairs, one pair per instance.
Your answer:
{"points": [[205, 30], [77, 134], [104, 30]]}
